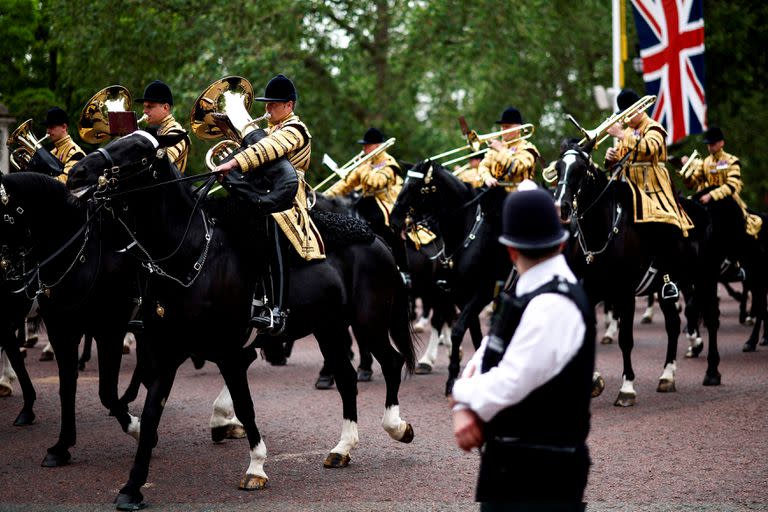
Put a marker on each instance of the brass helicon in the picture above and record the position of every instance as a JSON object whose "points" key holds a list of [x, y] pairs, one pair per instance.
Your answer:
{"points": [[23, 144]]}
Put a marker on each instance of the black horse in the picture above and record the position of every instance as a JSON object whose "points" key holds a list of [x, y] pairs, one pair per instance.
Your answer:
{"points": [[198, 294], [615, 255], [82, 285], [469, 225]]}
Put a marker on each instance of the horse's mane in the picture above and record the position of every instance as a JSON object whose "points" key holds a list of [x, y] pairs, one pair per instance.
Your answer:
{"points": [[41, 186]]}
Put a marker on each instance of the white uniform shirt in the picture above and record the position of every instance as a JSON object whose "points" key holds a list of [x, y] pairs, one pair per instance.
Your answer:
{"points": [[550, 334]]}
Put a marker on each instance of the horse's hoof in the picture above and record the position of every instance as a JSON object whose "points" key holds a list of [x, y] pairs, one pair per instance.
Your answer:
{"points": [[46, 356], [712, 380], [126, 349], [30, 342], [625, 400], [764, 342], [750, 321], [81, 367], [24, 419], [607, 340], [252, 482], [598, 386], [646, 320], [219, 434], [423, 369], [5, 391], [336, 460], [408, 435], [749, 347], [449, 386], [694, 351], [364, 375], [53, 460], [666, 386], [324, 382], [130, 501]]}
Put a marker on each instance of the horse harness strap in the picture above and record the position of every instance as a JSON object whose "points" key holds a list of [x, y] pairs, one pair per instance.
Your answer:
{"points": [[447, 262], [589, 256], [510, 312]]}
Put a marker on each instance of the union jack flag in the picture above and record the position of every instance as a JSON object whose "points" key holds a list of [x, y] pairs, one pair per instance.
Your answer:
{"points": [[671, 34]]}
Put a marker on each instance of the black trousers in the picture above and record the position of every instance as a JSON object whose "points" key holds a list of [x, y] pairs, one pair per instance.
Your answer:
{"points": [[516, 476]]}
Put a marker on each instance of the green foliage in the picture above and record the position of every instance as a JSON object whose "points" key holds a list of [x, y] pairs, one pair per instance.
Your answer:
{"points": [[410, 67]]}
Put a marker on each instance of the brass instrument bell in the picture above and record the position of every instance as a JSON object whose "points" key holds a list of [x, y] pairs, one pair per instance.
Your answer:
{"points": [[23, 144], [94, 121], [222, 109]]}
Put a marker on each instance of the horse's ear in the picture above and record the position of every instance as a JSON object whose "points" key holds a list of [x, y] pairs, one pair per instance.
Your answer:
{"points": [[170, 139], [588, 146]]}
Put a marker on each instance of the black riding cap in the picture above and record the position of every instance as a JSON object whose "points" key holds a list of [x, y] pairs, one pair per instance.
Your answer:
{"points": [[626, 98], [56, 117], [280, 88], [511, 116], [157, 92], [713, 135], [530, 221], [372, 136]]}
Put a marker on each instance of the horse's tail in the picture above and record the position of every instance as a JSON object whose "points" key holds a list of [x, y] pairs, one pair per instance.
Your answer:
{"points": [[400, 326]]}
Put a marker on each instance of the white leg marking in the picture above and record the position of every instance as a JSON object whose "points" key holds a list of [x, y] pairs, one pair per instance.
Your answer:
{"points": [[8, 375], [392, 423], [669, 372], [612, 330], [445, 337], [627, 387], [48, 348], [694, 342], [258, 457], [421, 324], [430, 354], [608, 317], [129, 339], [349, 438], [134, 428], [648, 315], [224, 410]]}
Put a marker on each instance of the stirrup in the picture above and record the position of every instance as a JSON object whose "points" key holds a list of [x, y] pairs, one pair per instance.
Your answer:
{"points": [[669, 290]]}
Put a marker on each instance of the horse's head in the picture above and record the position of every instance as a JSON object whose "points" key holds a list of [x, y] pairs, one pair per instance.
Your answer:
{"points": [[135, 155], [428, 190], [574, 168]]}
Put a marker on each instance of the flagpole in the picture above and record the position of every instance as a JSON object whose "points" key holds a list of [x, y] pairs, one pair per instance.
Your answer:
{"points": [[618, 78]]}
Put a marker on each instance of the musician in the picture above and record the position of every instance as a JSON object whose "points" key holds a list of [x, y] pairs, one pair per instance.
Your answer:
{"points": [[643, 141], [379, 181], [158, 103], [722, 170], [283, 197], [470, 173], [65, 150], [524, 396], [513, 162]]}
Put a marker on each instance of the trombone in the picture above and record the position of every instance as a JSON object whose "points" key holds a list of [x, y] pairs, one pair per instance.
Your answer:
{"points": [[601, 132], [356, 161], [475, 142], [687, 169]]}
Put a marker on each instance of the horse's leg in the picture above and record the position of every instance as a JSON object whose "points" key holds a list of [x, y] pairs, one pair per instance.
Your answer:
{"points": [[648, 313], [693, 314], [470, 310], [611, 326], [224, 423], [66, 359], [625, 311], [391, 366], [235, 375], [127, 340], [13, 367], [365, 368], [672, 326], [110, 357], [758, 311], [48, 353], [427, 360], [426, 307], [711, 314], [130, 497], [333, 343], [86, 355], [7, 375]]}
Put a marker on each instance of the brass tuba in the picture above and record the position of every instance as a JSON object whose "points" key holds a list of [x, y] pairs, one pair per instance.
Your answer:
{"points": [[94, 121], [222, 110], [23, 144]]}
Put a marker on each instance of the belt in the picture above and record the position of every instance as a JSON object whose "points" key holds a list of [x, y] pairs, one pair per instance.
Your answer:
{"points": [[648, 164], [515, 442]]}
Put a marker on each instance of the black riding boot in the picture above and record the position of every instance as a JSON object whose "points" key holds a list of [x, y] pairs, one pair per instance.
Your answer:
{"points": [[270, 317]]}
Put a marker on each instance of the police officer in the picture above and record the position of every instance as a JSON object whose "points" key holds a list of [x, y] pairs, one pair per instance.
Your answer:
{"points": [[284, 195], [524, 396], [722, 171], [513, 162], [158, 103], [65, 150]]}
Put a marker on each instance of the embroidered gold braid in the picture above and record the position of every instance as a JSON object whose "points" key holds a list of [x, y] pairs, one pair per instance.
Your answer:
{"points": [[179, 153], [515, 164], [68, 153], [289, 138]]}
